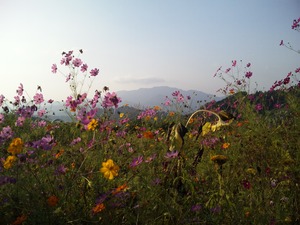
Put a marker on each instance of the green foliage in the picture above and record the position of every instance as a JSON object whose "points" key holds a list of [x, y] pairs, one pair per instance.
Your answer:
{"points": [[257, 184]]}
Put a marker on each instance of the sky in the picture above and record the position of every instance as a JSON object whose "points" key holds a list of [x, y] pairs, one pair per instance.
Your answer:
{"points": [[142, 44]]}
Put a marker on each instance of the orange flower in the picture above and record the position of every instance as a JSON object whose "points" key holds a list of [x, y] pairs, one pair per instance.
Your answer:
{"points": [[119, 189], [98, 208], [19, 220], [171, 113], [148, 134], [156, 108], [225, 145], [52, 200], [59, 153]]}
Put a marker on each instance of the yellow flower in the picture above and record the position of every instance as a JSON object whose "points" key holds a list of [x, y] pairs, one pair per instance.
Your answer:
{"points": [[92, 125], [121, 115], [9, 161], [219, 159], [109, 169], [251, 171], [15, 146]]}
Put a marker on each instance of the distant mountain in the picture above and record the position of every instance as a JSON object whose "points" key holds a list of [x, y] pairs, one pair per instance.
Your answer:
{"points": [[149, 97]]}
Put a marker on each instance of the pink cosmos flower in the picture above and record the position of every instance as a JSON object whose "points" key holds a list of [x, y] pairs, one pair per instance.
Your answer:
{"points": [[38, 98], [20, 90], [68, 77], [54, 68], [1, 99], [233, 63], [281, 43], [248, 74], [20, 121], [94, 72], [77, 62], [1, 118], [258, 107], [41, 112], [84, 68], [110, 100]]}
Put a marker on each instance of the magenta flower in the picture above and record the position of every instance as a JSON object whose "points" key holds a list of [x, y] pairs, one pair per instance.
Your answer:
{"points": [[258, 107], [42, 123], [248, 74], [20, 90], [54, 68], [38, 98], [233, 63], [75, 141], [41, 112], [1, 118], [281, 43], [84, 68], [110, 100], [94, 72], [50, 101], [77, 62], [227, 70], [1, 99], [6, 133], [297, 70], [246, 184], [17, 100], [171, 155], [167, 102], [248, 65], [136, 161], [20, 121], [68, 77]]}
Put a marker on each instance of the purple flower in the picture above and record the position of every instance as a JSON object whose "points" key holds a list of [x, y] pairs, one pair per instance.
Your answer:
{"points": [[1, 118], [94, 72], [20, 90], [46, 143], [77, 62], [41, 112], [6, 133], [136, 161], [76, 141], [110, 100], [196, 208], [248, 74], [54, 68], [171, 155], [258, 107], [61, 169], [1, 99], [38, 98], [7, 180], [281, 43], [20, 121], [233, 63], [246, 184], [84, 68]]}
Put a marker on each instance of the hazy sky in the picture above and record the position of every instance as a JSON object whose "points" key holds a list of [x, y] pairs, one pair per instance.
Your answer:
{"points": [[139, 43]]}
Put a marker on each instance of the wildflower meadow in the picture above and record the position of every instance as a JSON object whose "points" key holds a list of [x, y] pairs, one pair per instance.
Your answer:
{"points": [[235, 161]]}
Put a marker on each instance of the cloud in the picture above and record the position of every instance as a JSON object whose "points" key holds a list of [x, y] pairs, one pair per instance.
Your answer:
{"points": [[137, 80]]}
